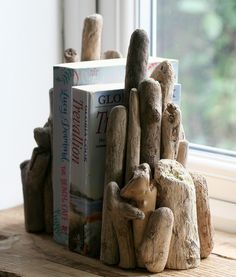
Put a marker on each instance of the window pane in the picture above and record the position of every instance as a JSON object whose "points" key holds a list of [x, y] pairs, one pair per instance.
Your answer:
{"points": [[202, 35]]}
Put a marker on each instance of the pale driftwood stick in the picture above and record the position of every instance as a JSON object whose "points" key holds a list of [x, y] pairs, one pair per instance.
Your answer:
{"points": [[133, 136], [114, 171], [155, 245], [150, 100], [165, 75], [143, 192], [205, 226], [71, 55], [111, 54], [91, 38], [116, 145], [182, 132], [121, 213], [170, 129], [177, 192], [137, 60], [33, 174], [182, 155]]}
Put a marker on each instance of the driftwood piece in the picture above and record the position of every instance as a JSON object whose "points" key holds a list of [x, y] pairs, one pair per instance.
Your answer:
{"points": [[33, 174], [177, 192], [165, 75], [182, 155], [42, 137], [137, 60], [170, 129], [143, 192], [121, 213], [114, 171], [133, 136], [71, 55], [205, 226], [111, 54], [91, 38], [155, 245], [150, 99]]}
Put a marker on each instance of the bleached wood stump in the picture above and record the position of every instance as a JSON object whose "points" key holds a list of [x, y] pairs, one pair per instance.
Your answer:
{"points": [[177, 192]]}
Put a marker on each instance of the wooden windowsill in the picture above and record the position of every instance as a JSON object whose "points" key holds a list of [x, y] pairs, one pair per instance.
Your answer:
{"points": [[38, 255]]}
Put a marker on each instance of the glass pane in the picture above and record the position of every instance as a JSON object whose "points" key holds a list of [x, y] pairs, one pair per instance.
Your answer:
{"points": [[201, 34]]}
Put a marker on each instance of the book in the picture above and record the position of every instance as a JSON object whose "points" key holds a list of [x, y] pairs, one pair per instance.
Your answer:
{"points": [[64, 77], [91, 106]]}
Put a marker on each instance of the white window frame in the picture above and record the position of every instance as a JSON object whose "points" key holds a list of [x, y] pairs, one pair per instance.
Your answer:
{"points": [[121, 17]]}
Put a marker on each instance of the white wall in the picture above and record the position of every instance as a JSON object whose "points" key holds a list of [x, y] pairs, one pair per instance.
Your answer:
{"points": [[31, 39]]}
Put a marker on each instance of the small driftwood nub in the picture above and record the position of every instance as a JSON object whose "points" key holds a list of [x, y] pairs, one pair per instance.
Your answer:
{"points": [[154, 249], [137, 60], [114, 172], [150, 99], [133, 136], [182, 155], [164, 74], [170, 129], [177, 192], [111, 54], [205, 226], [71, 55], [91, 38], [142, 191]]}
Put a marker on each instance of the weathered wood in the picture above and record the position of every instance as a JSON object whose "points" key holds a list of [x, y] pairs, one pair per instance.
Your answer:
{"points": [[111, 54], [42, 137], [133, 136], [177, 192], [182, 156], [142, 191], [91, 38], [150, 100], [205, 226], [137, 60], [71, 55], [170, 129], [165, 75], [33, 174], [121, 213], [114, 171], [154, 249]]}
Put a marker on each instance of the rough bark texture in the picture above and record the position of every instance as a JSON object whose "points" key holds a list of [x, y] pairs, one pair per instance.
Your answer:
{"points": [[71, 55], [165, 75], [137, 60], [205, 226], [115, 155], [133, 136], [155, 246], [91, 38], [33, 174], [150, 99], [177, 192], [142, 191], [111, 54], [182, 156], [170, 129]]}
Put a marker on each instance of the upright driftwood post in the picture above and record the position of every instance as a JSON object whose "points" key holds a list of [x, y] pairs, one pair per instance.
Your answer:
{"points": [[150, 118], [177, 192], [154, 249], [91, 38], [133, 136], [170, 129], [137, 60], [142, 190], [182, 155], [205, 226], [164, 74], [114, 172]]}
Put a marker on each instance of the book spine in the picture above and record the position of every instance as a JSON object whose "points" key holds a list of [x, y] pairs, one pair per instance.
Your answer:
{"points": [[63, 80]]}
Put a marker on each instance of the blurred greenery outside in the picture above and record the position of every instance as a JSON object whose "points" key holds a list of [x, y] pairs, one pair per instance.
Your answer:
{"points": [[201, 34]]}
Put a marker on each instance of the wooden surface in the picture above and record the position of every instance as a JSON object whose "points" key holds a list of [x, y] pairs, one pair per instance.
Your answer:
{"points": [[33, 255]]}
